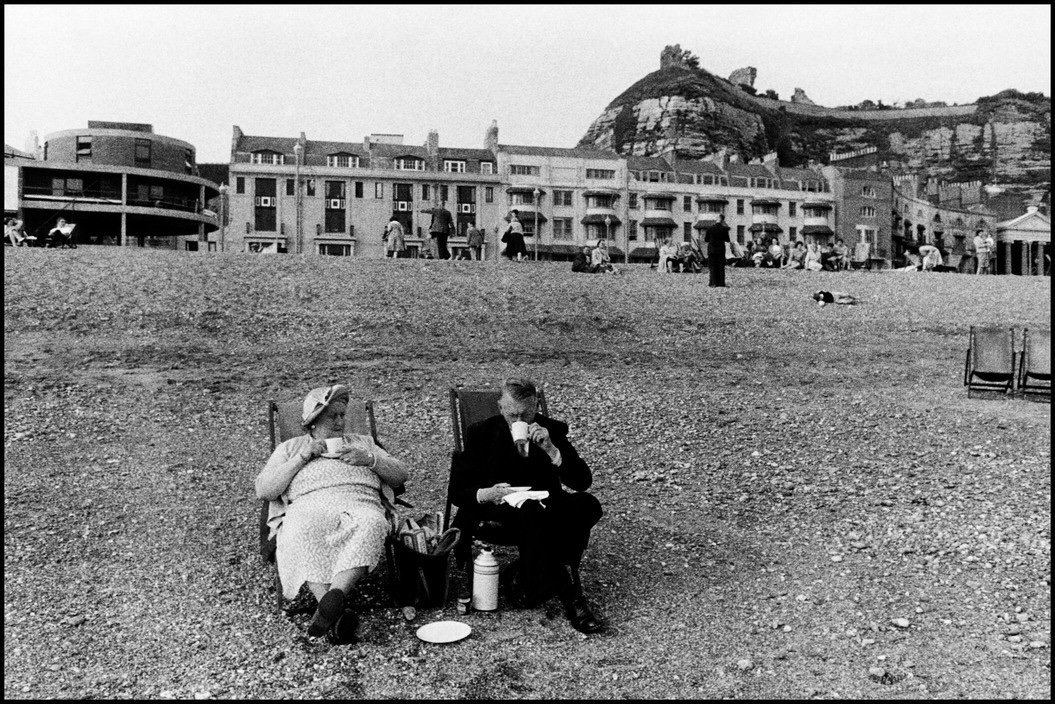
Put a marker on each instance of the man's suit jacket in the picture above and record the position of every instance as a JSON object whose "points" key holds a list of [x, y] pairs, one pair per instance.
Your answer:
{"points": [[490, 457]]}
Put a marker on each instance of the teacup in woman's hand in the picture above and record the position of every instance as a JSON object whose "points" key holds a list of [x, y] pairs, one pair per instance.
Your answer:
{"points": [[334, 445]]}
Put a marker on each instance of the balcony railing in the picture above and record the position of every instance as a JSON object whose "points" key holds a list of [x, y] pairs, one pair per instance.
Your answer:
{"points": [[97, 194], [190, 205]]}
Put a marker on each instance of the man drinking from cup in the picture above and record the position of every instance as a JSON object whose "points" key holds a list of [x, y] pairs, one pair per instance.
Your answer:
{"points": [[520, 449]]}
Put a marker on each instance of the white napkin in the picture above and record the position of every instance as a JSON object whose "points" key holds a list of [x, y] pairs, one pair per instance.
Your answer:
{"points": [[517, 498]]}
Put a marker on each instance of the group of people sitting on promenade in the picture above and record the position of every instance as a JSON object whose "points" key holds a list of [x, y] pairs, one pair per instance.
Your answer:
{"points": [[61, 236], [594, 261], [810, 257]]}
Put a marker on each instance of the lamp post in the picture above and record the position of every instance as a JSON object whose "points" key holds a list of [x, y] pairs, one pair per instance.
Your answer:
{"points": [[536, 193], [608, 227], [223, 214], [298, 151]]}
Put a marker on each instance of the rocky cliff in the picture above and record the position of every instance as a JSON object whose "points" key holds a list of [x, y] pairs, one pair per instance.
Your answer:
{"points": [[1002, 140]]}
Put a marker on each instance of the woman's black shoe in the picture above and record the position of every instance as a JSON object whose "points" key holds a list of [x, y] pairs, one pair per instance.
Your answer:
{"points": [[331, 606], [342, 632], [581, 618]]}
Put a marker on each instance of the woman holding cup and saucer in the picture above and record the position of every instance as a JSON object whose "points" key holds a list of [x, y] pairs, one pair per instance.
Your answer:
{"points": [[331, 496]]}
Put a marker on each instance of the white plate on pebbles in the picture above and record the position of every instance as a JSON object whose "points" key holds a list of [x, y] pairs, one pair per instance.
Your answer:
{"points": [[444, 631]]}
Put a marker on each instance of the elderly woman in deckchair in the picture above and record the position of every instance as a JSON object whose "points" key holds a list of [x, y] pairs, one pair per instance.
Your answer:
{"points": [[330, 509]]}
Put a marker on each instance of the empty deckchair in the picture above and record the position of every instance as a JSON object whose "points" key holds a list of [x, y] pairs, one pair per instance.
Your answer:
{"points": [[859, 259], [1034, 367], [990, 363]]}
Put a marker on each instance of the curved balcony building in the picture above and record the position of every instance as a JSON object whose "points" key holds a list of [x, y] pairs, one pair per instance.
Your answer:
{"points": [[120, 184]]}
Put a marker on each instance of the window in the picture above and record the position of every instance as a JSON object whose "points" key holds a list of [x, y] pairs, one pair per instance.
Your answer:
{"points": [[791, 209], [84, 148], [403, 192], [265, 204], [342, 161], [425, 194], [489, 194], [239, 185], [792, 233], [740, 234], [866, 234], [405, 163], [562, 198], [687, 231], [686, 203], [444, 193], [600, 202], [309, 188], [632, 201], [740, 208], [521, 199], [466, 194], [523, 170], [765, 208], [486, 167], [335, 203], [868, 191], [289, 187], [600, 173], [358, 189], [264, 157], [335, 250], [712, 207], [657, 203], [631, 230], [562, 229], [379, 190], [868, 211], [452, 166], [142, 152]]}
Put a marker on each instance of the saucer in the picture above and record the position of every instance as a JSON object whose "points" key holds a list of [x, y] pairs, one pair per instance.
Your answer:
{"points": [[444, 631]]}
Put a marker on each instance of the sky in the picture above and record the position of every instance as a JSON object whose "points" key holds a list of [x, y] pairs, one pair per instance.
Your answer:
{"points": [[544, 72]]}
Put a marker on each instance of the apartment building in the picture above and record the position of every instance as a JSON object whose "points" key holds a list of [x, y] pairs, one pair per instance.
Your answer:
{"points": [[564, 198], [121, 184]]}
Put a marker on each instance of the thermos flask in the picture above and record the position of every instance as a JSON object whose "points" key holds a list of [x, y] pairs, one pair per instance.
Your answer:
{"points": [[485, 582]]}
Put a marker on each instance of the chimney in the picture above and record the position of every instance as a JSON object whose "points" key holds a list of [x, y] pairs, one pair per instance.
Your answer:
{"points": [[432, 146], [236, 135], [366, 143], [33, 144], [669, 156], [491, 138]]}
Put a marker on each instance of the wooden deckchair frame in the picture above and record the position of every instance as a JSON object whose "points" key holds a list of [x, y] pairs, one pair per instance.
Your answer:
{"points": [[470, 406], [283, 421], [997, 378], [1029, 357]]}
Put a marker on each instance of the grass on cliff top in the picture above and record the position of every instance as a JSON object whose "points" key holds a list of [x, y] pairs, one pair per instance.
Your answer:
{"points": [[800, 501]]}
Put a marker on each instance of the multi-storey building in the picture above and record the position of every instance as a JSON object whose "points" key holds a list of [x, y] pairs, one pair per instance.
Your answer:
{"points": [[119, 183], [565, 198], [348, 192]]}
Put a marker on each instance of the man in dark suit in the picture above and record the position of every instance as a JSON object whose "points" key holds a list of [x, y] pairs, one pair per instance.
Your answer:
{"points": [[716, 236], [440, 228], [550, 533]]}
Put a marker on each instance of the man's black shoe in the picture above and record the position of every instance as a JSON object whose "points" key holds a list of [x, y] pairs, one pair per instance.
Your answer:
{"points": [[581, 618]]}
